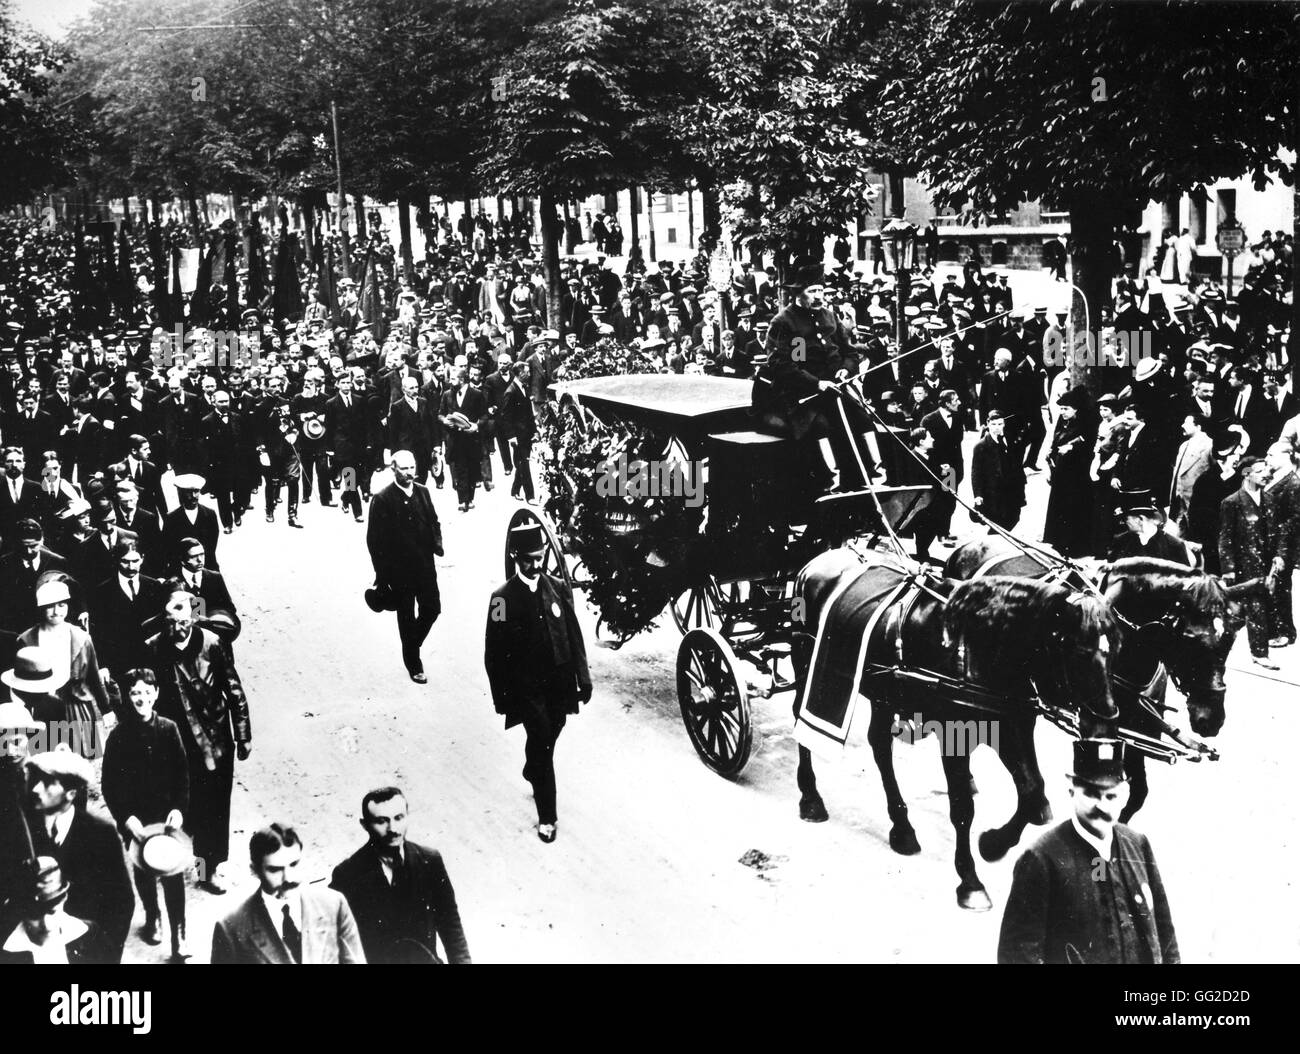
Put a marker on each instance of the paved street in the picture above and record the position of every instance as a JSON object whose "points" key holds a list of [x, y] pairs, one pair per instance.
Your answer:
{"points": [[646, 866]]}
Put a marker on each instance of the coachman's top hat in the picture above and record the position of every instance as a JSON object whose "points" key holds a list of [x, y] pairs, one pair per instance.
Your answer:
{"points": [[1099, 762]]}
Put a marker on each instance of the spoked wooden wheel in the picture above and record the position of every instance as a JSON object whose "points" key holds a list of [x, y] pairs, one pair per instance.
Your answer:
{"points": [[698, 607], [714, 701], [553, 562]]}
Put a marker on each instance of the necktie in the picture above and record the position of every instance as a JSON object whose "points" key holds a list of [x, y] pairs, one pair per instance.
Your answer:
{"points": [[53, 831], [130, 585], [292, 937]]}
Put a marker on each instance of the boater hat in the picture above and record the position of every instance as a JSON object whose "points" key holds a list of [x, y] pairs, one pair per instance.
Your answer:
{"points": [[16, 717], [31, 673], [162, 852]]}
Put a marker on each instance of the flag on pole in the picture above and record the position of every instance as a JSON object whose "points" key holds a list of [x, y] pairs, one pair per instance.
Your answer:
{"points": [[287, 295]]}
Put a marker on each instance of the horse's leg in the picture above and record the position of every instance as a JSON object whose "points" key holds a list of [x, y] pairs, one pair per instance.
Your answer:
{"points": [[902, 837], [1135, 767], [961, 810], [1016, 749], [811, 806]]}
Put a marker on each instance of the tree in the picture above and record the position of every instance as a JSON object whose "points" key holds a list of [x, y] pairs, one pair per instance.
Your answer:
{"points": [[1104, 107], [35, 138], [585, 107]]}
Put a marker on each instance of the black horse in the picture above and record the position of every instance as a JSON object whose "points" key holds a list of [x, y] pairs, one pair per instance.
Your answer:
{"points": [[1175, 622], [949, 651]]}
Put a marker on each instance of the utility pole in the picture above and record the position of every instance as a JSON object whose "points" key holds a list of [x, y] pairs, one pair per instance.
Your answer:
{"points": [[338, 171]]}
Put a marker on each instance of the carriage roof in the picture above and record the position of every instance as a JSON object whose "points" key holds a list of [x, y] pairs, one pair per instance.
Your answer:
{"points": [[691, 403]]}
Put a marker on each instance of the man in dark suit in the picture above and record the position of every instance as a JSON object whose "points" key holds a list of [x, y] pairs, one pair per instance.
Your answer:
{"points": [[85, 844], [286, 922], [403, 537], [346, 445], [1252, 545], [137, 414], [494, 390], [19, 572], [20, 498], [536, 663], [1089, 890], [517, 422], [398, 891], [945, 425], [190, 520], [997, 475], [221, 450], [94, 559], [32, 429], [179, 418], [461, 414], [208, 586], [120, 607], [140, 522], [146, 475], [413, 425], [1284, 486], [1145, 462]]}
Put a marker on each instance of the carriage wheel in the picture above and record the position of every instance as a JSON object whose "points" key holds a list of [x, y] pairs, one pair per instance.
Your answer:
{"points": [[714, 701], [698, 607], [553, 562]]}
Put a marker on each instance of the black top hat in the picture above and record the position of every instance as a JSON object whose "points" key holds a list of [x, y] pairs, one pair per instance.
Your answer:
{"points": [[527, 538], [1099, 762]]}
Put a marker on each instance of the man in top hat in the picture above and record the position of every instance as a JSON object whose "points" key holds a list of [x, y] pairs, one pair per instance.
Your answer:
{"points": [[809, 354], [147, 789], [536, 663], [1089, 890], [403, 538], [399, 892], [190, 520], [1144, 533], [84, 844]]}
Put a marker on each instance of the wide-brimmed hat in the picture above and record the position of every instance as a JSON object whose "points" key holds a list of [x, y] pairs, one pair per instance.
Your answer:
{"points": [[162, 852], [15, 716], [190, 481], [54, 591], [31, 673], [1146, 369]]}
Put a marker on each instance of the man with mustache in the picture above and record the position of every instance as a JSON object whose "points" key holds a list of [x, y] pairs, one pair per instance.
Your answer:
{"points": [[286, 922], [1089, 890]]}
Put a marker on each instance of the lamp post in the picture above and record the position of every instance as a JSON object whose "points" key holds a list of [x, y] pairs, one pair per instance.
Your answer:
{"points": [[899, 238]]}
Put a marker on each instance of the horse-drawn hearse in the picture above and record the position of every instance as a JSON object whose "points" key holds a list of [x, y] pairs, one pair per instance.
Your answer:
{"points": [[663, 496]]}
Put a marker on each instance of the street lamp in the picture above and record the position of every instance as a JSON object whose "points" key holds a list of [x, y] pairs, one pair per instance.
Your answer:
{"points": [[898, 236]]}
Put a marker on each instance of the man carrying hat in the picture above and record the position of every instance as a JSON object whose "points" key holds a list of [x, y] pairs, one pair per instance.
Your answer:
{"points": [[147, 789], [84, 844], [536, 663], [1089, 890]]}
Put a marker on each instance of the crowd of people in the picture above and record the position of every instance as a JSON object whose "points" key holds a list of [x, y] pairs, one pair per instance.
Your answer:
{"points": [[117, 628]]}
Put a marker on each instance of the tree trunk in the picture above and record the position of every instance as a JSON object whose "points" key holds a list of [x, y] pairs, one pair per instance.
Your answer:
{"points": [[360, 200], [896, 203], [1092, 233], [690, 218], [650, 223], [501, 210], [551, 260], [633, 224], [569, 245], [194, 206], [404, 226], [469, 225], [310, 240]]}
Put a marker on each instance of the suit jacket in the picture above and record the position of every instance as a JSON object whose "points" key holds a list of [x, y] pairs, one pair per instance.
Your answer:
{"points": [[415, 430], [1142, 464], [147, 477], [463, 444], [247, 935], [117, 622], [422, 908], [92, 560], [1249, 536], [146, 774], [1059, 910], [997, 478], [402, 540], [143, 523], [346, 429], [18, 588], [1286, 499], [93, 865], [35, 435], [947, 440], [516, 418], [182, 432], [521, 666], [215, 595], [31, 506], [220, 447], [206, 528], [1194, 458]]}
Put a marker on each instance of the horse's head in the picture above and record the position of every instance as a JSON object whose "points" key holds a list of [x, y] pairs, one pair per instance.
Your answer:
{"points": [[1057, 639], [1186, 619]]}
